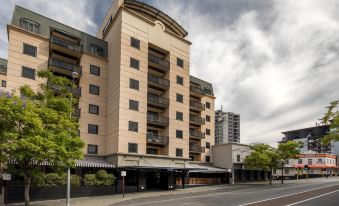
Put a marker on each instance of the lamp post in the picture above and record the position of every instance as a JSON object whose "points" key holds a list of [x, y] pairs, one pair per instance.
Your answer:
{"points": [[68, 199], [282, 170]]}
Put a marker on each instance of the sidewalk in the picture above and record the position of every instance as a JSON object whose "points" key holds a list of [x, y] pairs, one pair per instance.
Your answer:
{"points": [[111, 199]]}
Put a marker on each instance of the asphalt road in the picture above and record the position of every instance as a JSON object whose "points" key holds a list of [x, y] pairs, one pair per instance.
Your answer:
{"points": [[323, 192]]}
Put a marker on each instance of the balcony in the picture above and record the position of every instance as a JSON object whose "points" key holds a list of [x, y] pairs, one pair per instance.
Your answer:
{"points": [[76, 113], [158, 82], [3, 69], [157, 102], [196, 106], [158, 63], [65, 46], [63, 67], [195, 134], [197, 91], [196, 120], [157, 121], [57, 89], [196, 149], [156, 139]]}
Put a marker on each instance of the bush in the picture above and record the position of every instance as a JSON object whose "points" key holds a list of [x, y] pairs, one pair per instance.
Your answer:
{"points": [[56, 179], [101, 178], [90, 180], [101, 174]]}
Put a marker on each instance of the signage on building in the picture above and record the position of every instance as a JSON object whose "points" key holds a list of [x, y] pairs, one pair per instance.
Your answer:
{"points": [[123, 173], [315, 155], [6, 177]]}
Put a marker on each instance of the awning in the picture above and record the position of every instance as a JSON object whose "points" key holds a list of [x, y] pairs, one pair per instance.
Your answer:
{"points": [[205, 168]]}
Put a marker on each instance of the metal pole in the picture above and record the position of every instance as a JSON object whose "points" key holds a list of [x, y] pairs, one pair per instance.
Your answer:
{"points": [[282, 173], [123, 186]]}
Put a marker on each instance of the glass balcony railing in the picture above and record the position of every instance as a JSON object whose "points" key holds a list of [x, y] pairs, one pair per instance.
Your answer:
{"points": [[197, 90], [3, 69], [197, 134], [157, 101], [65, 65], [197, 120], [196, 149], [156, 120], [158, 81], [58, 89], [156, 60], [157, 139], [67, 44], [197, 105]]}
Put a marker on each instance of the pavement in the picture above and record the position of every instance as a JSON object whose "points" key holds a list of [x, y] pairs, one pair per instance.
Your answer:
{"points": [[251, 194]]}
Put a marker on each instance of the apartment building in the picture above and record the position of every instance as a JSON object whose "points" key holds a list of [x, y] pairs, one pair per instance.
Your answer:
{"points": [[139, 109], [227, 127]]}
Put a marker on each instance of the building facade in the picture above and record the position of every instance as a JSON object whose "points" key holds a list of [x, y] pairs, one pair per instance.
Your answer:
{"points": [[227, 127], [139, 108]]}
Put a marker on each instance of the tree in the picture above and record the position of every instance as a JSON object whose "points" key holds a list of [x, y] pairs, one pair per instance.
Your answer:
{"points": [[39, 129], [287, 150], [332, 118]]}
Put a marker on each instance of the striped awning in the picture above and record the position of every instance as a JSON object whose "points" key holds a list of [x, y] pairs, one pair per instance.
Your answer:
{"points": [[205, 168]]}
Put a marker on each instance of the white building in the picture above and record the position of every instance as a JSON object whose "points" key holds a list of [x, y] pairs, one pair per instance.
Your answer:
{"points": [[227, 127]]}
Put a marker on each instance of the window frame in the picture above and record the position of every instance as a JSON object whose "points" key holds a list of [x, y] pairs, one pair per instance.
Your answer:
{"points": [[180, 62], [135, 40], [208, 118], [207, 158], [92, 68], [93, 106], [96, 149], [93, 126], [131, 149], [94, 86], [181, 79], [25, 51], [27, 68], [208, 132], [179, 113], [134, 103], [133, 126], [208, 145], [131, 81], [208, 105], [179, 134], [136, 61], [180, 96], [3, 83], [179, 152], [35, 25]]}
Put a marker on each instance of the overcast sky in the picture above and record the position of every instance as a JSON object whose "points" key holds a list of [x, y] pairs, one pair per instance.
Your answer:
{"points": [[274, 62]]}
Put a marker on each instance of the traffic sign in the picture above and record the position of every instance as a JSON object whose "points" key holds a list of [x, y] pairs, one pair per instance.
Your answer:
{"points": [[123, 173], [6, 177]]}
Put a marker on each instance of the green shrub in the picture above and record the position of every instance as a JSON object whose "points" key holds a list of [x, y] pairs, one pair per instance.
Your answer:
{"points": [[57, 179], [93, 180], [101, 174], [90, 180]]}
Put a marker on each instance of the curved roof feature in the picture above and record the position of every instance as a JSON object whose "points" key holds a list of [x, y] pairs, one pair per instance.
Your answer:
{"points": [[156, 14]]}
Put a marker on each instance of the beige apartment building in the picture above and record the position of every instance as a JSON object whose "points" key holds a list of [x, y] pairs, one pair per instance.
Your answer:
{"points": [[139, 108]]}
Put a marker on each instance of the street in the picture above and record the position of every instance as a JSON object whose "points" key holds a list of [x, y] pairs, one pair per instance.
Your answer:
{"points": [[322, 192]]}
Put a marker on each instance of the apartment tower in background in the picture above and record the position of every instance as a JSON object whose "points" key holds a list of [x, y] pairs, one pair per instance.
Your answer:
{"points": [[227, 127]]}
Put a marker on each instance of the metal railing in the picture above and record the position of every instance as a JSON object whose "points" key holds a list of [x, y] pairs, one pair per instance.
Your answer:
{"points": [[197, 134], [197, 119], [196, 149], [197, 105], [154, 119], [57, 89], [67, 44], [197, 90], [157, 139], [161, 101], [76, 113], [65, 65], [158, 81], [157, 60], [3, 69]]}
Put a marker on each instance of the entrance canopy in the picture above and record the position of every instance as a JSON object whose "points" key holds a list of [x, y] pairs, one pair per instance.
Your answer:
{"points": [[205, 168]]}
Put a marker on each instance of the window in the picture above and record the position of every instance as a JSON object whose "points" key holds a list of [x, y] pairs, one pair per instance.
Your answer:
{"points": [[94, 70], [208, 118], [180, 80], [133, 105], [28, 73], [208, 132], [180, 63], [309, 161], [152, 151], [208, 91], [132, 148], [178, 152], [135, 43], [3, 83], [287, 171], [179, 134], [94, 89], [134, 63], [107, 25], [208, 159], [179, 116], [287, 162], [92, 149], [132, 126], [274, 171], [180, 98], [208, 145], [30, 25], [208, 105], [300, 161], [96, 50], [93, 129], [320, 160], [93, 109], [134, 84], [238, 158], [30, 50]]}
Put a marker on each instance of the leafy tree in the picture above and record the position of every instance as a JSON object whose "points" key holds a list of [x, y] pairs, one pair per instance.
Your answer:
{"points": [[39, 129], [332, 117]]}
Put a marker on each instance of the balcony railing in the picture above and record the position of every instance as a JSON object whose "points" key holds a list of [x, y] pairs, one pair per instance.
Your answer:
{"points": [[157, 139], [197, 120], [157, 101], [3, 69], [64, 65], [57, 89], [196, 134], [196, 149], [67, 44], [156, 120], [195, 105], [197, 90], [158, 81], [158, 61]]}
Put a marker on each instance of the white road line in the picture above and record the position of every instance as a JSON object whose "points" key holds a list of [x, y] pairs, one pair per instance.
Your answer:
{"points": [[313, 198], [287, 195]]}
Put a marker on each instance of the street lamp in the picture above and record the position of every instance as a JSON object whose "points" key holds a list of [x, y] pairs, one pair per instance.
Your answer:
{"points": [[68, 199]]}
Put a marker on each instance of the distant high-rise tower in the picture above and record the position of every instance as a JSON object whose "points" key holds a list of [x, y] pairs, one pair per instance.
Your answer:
{"points": [[227, 127]]}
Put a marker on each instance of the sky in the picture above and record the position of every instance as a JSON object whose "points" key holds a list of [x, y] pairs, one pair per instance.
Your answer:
{"points": [[276, 63]]}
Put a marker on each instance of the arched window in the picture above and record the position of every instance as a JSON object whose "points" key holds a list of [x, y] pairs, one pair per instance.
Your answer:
{"points": [[30, 25]]}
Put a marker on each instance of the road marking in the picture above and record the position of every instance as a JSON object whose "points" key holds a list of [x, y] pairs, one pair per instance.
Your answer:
{"points": [[273, 198], [313, 198]]}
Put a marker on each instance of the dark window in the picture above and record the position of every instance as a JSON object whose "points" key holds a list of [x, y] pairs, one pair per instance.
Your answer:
{"points": [[287, 171], [208, 132], [208, 159], [309, 161], [132, 148], [93, 109], [179, 116], [134, 63], [135, 43], [180, 80], [180, 98], [134, 84], [94, 70], [30, 50], [132, 126], [208, 91], [208, 145], [238, 158], [94, 89], [178, 152], [180, 63], [208, 105], [133, 105], [96, 50], [179, 134], [300, 161], [152, 151], [93, 129], [92, 149], [28, 73], [30, 25], [208, 118], [3, 83]]}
